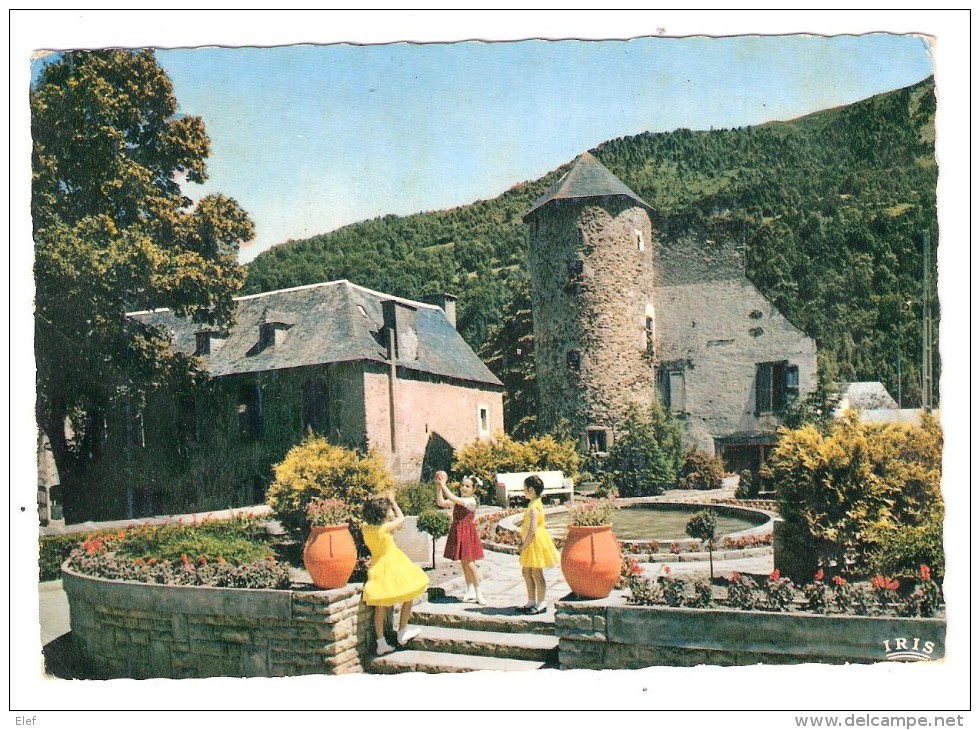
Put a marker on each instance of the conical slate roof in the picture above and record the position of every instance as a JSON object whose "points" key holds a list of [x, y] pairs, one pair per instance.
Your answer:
{"points": [[588, 178]]}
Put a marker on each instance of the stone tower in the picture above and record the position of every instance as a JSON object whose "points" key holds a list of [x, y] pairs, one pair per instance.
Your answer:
{"points": [[590, 256]]}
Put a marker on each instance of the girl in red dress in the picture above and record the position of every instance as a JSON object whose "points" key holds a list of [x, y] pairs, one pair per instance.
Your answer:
{"points": [[463, 541]]}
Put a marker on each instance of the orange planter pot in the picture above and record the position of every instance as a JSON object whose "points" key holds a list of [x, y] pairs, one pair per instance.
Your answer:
{"points": [[329, 556], [591, 560]]}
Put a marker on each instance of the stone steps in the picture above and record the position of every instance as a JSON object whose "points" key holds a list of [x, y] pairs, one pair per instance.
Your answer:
{"points": [[504, 645], [483, 618], [431, 662]]}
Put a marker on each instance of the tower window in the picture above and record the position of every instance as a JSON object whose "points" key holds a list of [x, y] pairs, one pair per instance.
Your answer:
{"points": [[599, 439], [483, 419], [648, 334], [639, 240], [672, 390]]}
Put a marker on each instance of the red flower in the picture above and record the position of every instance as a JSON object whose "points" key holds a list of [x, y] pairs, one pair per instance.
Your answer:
{"points": [[924, 572], [877, 582], [892, 585], [152, 561], [221, 560], [184, 559], [838, 581], [819, 575], [666, 570], [735, 577], [774, 575]]}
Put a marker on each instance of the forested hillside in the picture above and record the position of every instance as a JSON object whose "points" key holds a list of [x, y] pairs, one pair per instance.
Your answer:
{"points": [[831, 209]]}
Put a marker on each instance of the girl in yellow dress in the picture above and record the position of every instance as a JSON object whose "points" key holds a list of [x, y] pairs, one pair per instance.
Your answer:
{"points": [[392, 577], [537, 548]]}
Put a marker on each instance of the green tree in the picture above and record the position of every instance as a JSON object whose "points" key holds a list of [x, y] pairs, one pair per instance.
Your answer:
{"points": [[702, 526], [646, 453], [113, 232]]}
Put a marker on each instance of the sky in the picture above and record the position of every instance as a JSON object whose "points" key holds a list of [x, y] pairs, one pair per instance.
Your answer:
{"points": [[446, 125], [308, 138]]}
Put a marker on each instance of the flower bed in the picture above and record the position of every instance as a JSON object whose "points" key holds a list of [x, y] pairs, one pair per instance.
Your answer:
{"points": [[877, 597], [230, 554]]}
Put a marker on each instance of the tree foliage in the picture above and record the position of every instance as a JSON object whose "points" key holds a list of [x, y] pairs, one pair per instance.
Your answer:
{"points": [[646, 453], [113, 232]]}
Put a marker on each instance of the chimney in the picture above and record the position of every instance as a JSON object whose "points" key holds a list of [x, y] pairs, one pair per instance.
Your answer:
{"points": [[446, 302]]}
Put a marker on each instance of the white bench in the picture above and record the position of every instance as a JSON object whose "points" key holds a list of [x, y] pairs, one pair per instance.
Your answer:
{"points": [[511, 485]]}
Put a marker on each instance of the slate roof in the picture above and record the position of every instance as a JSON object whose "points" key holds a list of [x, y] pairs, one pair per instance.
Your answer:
{"points": [[331, 322], [588, 178], [870, 395]]}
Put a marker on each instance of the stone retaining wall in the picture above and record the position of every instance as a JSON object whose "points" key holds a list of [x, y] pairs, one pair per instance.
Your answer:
{"points": [[610, 635], [138, 630]]}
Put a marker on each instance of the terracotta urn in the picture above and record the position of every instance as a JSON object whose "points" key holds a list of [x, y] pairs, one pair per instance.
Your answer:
{"points": [[591, 560], [329, 556]]}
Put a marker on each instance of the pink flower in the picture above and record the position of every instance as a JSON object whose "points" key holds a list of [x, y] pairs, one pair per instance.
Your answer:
{"points": [[838, 581], [735, 577], [774, 575], [819, 575], [924, 572], [666, 570]]}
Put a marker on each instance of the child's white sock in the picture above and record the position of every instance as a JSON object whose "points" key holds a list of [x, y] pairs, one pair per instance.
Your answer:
{"points": [[407, 634], [384, 647]]}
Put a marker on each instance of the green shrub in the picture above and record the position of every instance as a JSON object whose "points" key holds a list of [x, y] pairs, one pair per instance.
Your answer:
{"points": [[645, 454], [436, 523], [54, 550], [900, 551], [700, 470], [316, 468], [747, 488], [862, 492], [414, 498]]}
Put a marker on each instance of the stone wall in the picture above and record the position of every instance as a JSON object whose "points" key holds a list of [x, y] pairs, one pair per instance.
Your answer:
{"points": [[142, 631], [717, 332], [610, 635], [600, 312], [432, 418]]}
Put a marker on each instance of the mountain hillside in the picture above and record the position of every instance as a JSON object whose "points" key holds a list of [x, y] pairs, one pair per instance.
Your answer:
{"points": [[831, 209]]}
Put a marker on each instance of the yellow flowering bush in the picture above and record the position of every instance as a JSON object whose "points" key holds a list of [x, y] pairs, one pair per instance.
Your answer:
{"points": [[318, 469], [487, 458]]}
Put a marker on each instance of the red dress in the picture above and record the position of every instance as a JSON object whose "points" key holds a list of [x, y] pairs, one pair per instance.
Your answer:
{"points": [[463, 541]]}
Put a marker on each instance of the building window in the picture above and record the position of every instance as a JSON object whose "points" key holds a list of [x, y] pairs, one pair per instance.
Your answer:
{"points": [[648, 335], [672, 389], [600, 439], [639, 240], [483, 419], [187, 421], [250, 411], [316, 413], [776, 385]]}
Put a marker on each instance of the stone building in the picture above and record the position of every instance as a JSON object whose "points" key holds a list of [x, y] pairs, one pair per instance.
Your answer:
{"points": [[364, 369], [622, 318]]}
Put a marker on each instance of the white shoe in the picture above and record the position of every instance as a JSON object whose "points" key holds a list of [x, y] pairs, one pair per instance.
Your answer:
{"points": [[407, 634], [384, 648], [479, 598], [470, 594]]}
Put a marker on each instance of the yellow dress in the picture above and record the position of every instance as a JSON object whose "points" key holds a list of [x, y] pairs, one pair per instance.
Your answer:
{"points": [[392, 577], [541, 553]]}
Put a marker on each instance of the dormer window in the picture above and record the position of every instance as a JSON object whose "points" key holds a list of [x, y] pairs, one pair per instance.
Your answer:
{"points": [[273, 327]]}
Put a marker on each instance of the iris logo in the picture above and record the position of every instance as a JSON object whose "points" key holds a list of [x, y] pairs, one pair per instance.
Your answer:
{"points": [[903, 649]]}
